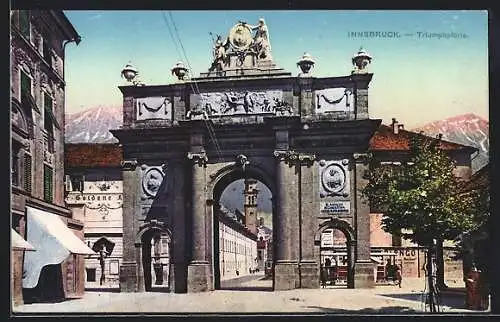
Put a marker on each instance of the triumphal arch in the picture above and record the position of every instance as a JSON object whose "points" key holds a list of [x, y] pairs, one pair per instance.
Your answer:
{"points": [[304, 137]]}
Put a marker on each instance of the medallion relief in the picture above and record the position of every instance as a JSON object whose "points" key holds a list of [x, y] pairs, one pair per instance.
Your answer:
{"points": [[152, 180], [334, 178]]}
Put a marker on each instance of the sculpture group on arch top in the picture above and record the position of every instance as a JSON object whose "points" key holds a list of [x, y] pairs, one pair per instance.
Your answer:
{"points": [[246, 47]]}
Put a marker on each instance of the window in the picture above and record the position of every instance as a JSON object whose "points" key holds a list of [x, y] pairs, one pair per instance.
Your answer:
{"points": [[90, 274], [48, 122], [27, 172], [24, 24], [26, 87], [47, 183], [47, 55], [77, 182], [15, 168]]}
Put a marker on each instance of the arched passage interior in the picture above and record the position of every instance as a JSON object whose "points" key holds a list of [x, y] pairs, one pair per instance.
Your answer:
{"points": [[231, 256], [327, 251]]}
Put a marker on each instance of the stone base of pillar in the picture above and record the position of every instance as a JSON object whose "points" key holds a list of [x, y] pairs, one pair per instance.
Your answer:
{"points": [[285, 276], [128, 277], [197, 279], [364, 275], [309, 275], [178, 278]]}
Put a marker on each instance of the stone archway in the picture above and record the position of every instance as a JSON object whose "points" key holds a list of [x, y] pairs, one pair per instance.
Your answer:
{"points": [[350, 235], [153, 266], [309, 150], [216, 186]]}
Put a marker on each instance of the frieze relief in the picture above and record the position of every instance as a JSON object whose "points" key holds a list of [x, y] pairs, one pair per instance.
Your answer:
{"points": [[153, 108], [334, 178], [243, 103], [24, 60], [334, 100]]}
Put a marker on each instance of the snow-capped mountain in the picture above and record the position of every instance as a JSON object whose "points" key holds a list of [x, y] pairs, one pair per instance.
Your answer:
{"points": [[93, 125], [468, 129]]}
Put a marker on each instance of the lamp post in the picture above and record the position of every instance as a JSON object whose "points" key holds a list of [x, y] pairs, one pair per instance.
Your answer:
{"points": [[306, 62], [360, 60], [180, 71]]}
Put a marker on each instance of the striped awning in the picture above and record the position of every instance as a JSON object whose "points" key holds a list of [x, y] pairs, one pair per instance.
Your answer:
{"points": [[18, 242], [53, 240]]}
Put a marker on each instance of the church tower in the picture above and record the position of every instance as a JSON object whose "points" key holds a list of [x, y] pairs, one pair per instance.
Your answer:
{"points": [[251, 193]]}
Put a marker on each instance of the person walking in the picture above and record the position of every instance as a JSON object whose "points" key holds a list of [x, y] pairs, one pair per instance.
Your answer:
{"points": [[399, 276]]}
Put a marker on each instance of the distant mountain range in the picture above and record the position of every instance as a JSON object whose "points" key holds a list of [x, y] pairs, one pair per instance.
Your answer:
{"points": [[467, 129], [93, 125]]}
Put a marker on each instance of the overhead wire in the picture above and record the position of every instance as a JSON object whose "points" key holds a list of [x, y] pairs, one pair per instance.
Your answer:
{"points": [[195, 88]]}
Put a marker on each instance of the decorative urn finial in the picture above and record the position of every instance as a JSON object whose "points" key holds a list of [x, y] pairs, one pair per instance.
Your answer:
{"points": [[361, 60], [179, 70], [129, 72], [306, 62]]}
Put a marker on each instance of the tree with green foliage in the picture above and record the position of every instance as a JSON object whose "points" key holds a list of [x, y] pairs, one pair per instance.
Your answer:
{"points": [[421, 200]]}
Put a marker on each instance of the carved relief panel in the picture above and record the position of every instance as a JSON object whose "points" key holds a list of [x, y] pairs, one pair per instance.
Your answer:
{"points": [[334, 100], [240, 103], [153, 108]]}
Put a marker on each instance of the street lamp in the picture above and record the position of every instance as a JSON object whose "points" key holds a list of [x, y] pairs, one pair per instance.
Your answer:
{"points": [[361, 60], [179, 70], [306, 62]]}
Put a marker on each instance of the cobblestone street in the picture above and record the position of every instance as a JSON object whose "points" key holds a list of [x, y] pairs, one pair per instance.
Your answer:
{"points": [[252, 294]]}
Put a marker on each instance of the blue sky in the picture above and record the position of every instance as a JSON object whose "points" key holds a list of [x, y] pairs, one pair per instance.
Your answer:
{"points": [[416, 79]]}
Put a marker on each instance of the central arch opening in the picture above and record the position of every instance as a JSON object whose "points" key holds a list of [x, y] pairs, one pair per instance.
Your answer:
{"points": [[243, 233]]}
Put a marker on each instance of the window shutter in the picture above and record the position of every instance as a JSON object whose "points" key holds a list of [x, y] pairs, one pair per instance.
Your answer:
{"points": [[25, 83], [24, 23], [47, 184], [27, 172]]}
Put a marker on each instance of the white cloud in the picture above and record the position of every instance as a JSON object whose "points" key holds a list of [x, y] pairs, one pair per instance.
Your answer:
{"points": [[95, 17]]}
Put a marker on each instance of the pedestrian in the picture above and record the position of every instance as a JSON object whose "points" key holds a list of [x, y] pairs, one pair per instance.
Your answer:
{"points": [[323, 276], [388, 270], [399, 276]]}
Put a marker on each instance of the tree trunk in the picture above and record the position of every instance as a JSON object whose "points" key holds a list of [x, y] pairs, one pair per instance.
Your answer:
{"points": [[431, 295], [440, 265]]}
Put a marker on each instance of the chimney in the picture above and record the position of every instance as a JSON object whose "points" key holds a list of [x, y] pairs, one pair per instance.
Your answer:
{"points": [[395, 128]]}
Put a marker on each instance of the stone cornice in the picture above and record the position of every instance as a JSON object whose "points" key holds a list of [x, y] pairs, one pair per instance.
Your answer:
{"points": [[362, 157], [295, 158], [129, 165], [199, 158]]}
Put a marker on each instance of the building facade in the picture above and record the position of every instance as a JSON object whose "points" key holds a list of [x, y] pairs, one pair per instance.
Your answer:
{"points": [[38, 39], [94, 191], [237, 247], [391, 146]]}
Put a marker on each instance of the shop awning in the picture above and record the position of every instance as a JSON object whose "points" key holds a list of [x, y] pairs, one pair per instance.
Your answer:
{"points": [[18, 242], [52, 239], [377, 260]]}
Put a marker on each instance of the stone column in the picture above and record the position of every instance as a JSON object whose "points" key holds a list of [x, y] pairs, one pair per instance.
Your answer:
{"points": [[177, 202], [129, 266], [198, 266], [308, 266], [287, 222], [364, 274]]}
